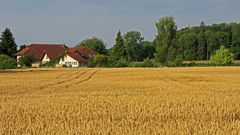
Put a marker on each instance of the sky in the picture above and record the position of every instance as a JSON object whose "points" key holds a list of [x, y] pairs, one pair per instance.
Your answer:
{"points": [[71, 21]]}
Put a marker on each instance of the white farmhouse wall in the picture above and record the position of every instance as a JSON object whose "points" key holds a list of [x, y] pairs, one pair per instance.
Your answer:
{"points": [[18, 61], [45, 59], [69, 61]]}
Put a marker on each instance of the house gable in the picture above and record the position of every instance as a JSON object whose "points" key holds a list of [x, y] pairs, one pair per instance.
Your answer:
{"points": [[67, 60], [45, 58]]}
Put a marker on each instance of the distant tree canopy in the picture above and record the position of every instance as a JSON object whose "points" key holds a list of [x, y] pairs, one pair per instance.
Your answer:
{"points": [[203, 41], [119, 49], [171, 46], [7, 43], [22, 47], [166, 47], [148, 49], [133, 41], [95, 44]]}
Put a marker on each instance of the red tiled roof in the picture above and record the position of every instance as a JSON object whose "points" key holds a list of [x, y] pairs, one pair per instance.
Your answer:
{"points": [[85, 50], [38, 50], [54, 50], [22, 52], [77, 57]]}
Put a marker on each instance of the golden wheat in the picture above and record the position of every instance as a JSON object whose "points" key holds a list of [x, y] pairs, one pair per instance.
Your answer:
{"points": [[120, 101]]}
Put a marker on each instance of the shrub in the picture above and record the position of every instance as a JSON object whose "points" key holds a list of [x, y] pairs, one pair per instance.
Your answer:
{"points": [[98, 60], [106, 61], [64, 66], [121, 63], [91, 63], [178, 61], [148, 63], [136, 64], [222, 57], [7, 62], [26, 60]]}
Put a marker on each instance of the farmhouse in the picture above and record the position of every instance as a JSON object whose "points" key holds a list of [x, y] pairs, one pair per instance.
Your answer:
{"points": [[42, 53]]}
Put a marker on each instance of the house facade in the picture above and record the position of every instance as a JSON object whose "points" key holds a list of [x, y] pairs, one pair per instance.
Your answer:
{"points": [[72, 57]]}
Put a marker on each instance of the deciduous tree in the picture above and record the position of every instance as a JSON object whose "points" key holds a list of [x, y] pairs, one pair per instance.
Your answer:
{"points": [[95, 44], [133, 41], [165, 39]]}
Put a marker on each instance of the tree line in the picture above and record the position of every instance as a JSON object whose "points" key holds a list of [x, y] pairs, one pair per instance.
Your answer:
{"points": [[170, 46]]}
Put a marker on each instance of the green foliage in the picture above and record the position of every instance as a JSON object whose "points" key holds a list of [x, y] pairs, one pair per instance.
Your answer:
{"points": [[133, 41], [121, 63], [95, 44], [235, 45], [188, 45], [22, 47], [91, 63], [64, 66], [210, 41], [148, 50], [148, 63], [54, 62], [7, 62], [202, 46], [7, 43], [210, 38], [100, 60], [176, 62], [222, 57], [119, 50], [106, 61], [26, 60], [165, 39]]}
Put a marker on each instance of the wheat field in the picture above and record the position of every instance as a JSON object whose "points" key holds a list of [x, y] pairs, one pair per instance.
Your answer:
{"points": [[120, 101]]}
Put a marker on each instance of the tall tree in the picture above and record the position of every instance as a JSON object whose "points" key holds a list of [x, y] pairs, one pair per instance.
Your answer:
{"points": [[119, 50], [165, 39], [235, 46], [188, 43], [7, 43], [133, 41], [211, 45], [223, 38], [202, 46], [95, 44]]}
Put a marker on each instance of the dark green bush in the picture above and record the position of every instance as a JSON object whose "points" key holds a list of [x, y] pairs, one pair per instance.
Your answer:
{"points": [[148, 63], [7, 62], [64, 65], [121, 63]]}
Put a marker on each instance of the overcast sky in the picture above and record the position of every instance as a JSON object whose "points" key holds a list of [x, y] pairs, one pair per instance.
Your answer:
{"points": [[70, 21]]}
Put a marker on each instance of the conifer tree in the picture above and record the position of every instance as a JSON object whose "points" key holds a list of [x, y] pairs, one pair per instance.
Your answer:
{"points": [[119, 50], [7, 43]]}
